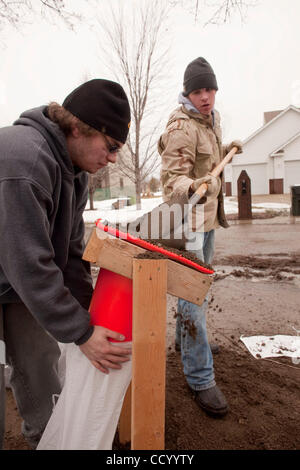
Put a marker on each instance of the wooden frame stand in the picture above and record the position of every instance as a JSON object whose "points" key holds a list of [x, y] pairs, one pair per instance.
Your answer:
{"points": [[148, 354], [142, 419]]}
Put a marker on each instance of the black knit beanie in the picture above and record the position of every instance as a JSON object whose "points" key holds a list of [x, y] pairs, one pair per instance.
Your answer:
{"points": [[198, 74], [103, 105]]}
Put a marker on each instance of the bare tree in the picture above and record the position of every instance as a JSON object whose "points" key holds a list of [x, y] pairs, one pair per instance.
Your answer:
{"points": [[219, 11], [96, 181], [137, 57], [15, 12]]}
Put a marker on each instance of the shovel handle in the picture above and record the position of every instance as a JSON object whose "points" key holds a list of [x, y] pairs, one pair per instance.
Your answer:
{"points": [[217, 171]]}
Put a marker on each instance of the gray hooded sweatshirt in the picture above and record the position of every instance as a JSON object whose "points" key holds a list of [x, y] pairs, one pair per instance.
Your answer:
{"points": [[42, 198]]}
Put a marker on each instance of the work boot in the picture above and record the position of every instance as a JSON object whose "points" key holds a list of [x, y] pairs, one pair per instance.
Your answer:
{"points": [[212, 401], [215, 348]]}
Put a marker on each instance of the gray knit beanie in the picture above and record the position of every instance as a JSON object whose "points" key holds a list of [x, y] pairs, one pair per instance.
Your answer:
{"points": [[198, 74]]}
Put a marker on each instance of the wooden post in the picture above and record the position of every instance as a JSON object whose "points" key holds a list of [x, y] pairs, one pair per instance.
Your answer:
{"points": [[125, 419], [244, 196], [149, 354]]}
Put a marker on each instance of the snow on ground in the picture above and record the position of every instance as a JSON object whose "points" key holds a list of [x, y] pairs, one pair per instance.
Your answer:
{"points": [[271, 205], [104, 210], [231, 206]]}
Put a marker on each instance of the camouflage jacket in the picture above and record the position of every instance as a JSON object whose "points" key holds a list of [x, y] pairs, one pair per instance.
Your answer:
{"points": [[190, 148]]}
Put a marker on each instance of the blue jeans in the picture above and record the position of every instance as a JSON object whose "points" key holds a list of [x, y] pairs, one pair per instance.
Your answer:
{"points": [[196, 355]]}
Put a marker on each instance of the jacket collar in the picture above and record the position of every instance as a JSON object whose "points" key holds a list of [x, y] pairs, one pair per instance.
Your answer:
{"points": [[208, 120]]}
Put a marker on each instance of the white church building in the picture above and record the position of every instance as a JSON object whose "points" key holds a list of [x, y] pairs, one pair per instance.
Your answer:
{"points": [[271, 155]]}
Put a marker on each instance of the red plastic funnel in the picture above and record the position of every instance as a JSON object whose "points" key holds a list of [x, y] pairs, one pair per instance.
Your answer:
{"points": [[111, 304]]}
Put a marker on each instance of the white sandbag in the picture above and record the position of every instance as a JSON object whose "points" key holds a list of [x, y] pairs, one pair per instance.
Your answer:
{"points": [[86, 414]]}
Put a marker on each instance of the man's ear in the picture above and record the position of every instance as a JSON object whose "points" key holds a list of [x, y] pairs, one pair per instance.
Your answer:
{"points": [[75, 131]]}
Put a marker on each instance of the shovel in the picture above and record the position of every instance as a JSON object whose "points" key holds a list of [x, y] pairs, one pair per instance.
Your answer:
{"points": [[165, 224]]}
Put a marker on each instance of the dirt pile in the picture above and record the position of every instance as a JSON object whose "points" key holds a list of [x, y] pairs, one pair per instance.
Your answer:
{"points": [[263, 399], [281, 261], [279, 266]]}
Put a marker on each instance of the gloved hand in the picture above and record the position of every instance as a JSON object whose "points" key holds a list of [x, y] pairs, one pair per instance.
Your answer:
{"points": [[213, 186], [235, 143]]}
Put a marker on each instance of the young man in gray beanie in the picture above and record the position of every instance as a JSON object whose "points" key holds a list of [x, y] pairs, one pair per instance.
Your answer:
{"points": [[45, 286], [190, 148]]}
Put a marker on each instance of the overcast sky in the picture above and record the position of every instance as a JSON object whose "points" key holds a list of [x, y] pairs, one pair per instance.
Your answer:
{"points": [[257, 63]]}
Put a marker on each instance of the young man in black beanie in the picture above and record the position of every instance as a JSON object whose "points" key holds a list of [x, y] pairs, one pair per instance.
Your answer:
{"points": [[45, 286], [191, 147]]}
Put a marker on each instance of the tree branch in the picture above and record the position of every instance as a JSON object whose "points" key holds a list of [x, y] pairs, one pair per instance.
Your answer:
{"points": [[16, 12]]}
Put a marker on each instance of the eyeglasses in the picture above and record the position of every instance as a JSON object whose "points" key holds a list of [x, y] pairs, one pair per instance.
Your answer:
{"points": [[112, 148]]}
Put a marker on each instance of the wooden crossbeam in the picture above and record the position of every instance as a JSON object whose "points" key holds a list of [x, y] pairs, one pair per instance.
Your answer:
{"points": [[117, 255]]}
